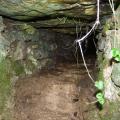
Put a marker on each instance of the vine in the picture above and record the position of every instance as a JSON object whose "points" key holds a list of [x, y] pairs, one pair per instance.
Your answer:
{"points": [[115, 53], [100, 96]]}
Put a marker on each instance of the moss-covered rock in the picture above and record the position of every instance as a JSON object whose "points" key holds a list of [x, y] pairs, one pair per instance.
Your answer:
{"points": [[34, 9], [23, 50], [110, 112], [5, 85]]}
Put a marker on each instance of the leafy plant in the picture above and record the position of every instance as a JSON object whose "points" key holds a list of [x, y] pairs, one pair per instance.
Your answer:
{"points": [[99, 85], [100, 96], [115, 54]]}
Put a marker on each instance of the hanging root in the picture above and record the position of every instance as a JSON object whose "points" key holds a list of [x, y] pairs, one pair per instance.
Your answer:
{"points": [[97, 22]]}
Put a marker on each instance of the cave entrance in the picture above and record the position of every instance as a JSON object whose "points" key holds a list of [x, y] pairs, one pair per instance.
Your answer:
{"points": [[63, 91]]}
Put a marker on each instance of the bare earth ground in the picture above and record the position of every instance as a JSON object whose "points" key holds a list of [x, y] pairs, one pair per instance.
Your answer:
{"points": [[59, 94]]}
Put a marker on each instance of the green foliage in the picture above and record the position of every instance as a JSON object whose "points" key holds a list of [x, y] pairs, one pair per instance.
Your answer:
{"points": [[99, 85], [100, 96], [115, 54]]}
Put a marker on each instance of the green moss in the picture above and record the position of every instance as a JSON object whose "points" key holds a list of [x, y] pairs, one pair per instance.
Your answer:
{"points": [[110, 111], [106, 27], [18, 68], [5, 84], [102, 62], [27, 28], [7, 68], [100, 75]]}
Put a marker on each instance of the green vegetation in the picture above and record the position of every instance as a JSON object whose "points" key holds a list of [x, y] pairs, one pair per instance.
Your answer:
{"points": [[5, 84], [18, 68], [100, 96], [115, 54], [99, 85]]}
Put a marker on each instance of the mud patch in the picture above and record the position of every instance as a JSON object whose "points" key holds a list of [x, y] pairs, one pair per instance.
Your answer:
{"points": [[59, 94]]}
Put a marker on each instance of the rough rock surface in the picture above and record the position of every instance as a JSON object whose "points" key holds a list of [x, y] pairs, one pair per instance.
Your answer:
{"points": [[30, 47], [116, 74], [28, 9], [110, 39], [53, 13], [5, 71], [24, 50], [21, 52]]}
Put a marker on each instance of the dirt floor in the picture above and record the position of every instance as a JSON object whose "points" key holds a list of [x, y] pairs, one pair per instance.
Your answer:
{"points": [[63, 93]]}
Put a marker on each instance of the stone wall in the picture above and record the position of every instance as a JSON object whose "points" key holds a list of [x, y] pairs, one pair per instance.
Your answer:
{"points": [[23, 50], [109, 69]]}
